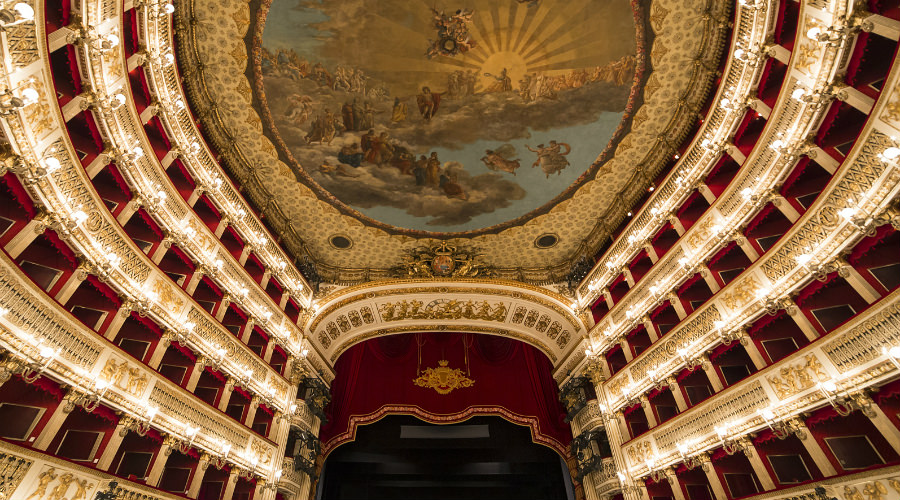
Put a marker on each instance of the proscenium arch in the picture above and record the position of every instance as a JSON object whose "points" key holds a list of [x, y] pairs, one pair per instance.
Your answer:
{"points": [[531, 314]]}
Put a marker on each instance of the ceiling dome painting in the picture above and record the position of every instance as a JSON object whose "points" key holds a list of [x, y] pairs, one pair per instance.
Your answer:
{"points": [[447, 117]]}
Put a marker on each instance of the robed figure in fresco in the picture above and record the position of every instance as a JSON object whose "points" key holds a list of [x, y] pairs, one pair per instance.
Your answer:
{"points": [[428, 103], [551, 159], [502, 82], [398, 114], [495, 161]]}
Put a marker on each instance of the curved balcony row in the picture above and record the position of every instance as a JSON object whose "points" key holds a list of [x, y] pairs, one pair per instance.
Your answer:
{"points": [[122, 129], [46, 341], [837, 371], [652, 279], [753, 25], [856, 200], [793, 121], [76, 214]]}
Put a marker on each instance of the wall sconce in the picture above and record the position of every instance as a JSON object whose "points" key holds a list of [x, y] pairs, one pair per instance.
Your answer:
{"points": [[222, 459], [10, 104], [864, 222], [780, 428], [840, 404], [889, 154], [142, 427], [34, 370], [690, 461], [191, 434], [92, 401], [751, 57], [273, 480], [688, 360], [730, 445], [832, 35], [89, 37], [246, 377], [627, 489], [820, 271], [893, 355], [655, 474]]}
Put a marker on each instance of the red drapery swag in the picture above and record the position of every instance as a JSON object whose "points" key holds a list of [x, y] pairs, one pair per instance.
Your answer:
{"points": [[512, 380]]}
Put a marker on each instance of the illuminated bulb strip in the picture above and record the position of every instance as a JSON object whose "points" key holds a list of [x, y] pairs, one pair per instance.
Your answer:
{"points": [[93, 250], [264, 321], [190, 141], [793, 279], [659, 205], [623, 328], [287, 275], [96, 390], [67, 218], [792, 137], [776, 417]]}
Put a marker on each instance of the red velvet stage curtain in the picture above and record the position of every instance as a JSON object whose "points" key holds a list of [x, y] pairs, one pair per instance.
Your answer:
{"points": [[511, 379]]}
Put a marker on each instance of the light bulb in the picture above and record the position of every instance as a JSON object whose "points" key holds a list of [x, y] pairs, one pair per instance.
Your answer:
{"points": [[52, 164], [847, 213], [24, 11], [890, 153], [30, 96], [79, 216]]}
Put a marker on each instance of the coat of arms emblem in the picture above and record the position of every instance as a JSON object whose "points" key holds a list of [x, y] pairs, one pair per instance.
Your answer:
{"points": [[443, 379], [443, 260]]}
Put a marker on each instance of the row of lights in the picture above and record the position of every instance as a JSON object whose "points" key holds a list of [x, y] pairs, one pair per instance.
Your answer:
{"points": [[828, 388], [37, 365], [730, 433], [10, 104], [237, 213], [234, 213], [865, 223], [660, 206], [155, 201], [709, 144]]}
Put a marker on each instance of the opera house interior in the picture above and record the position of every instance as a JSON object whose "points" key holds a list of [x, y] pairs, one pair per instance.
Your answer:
{"points": [[245, 253]]}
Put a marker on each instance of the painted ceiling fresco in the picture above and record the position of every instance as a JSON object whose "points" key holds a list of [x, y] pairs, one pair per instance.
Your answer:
{"points": [[443, 116]]}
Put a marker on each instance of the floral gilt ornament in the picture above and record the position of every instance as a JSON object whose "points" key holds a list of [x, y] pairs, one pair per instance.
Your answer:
{"points": [[443, 379]]}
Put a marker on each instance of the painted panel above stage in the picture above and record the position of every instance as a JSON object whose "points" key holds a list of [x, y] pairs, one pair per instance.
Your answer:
{"points": [[447, 117]]}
